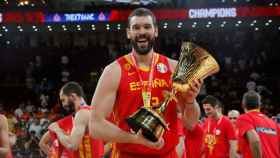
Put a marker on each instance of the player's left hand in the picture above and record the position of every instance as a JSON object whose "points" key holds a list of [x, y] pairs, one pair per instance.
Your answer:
{"points": [[189, 96]]}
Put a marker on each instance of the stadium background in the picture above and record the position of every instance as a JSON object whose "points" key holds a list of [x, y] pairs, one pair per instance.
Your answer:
{"points": [[45, 43]]}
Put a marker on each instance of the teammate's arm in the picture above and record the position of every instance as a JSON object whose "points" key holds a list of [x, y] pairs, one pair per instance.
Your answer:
{"points": [[44, 143], [233, 148], [73, 140], [4, 136], [180, 148], [104, 100], [254, 143], [191, 114]]}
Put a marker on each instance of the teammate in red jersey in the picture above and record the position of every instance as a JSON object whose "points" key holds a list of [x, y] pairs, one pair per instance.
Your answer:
{"points": [[5, 150], [132, 80], [49, 142], [233, 116], [194, 141], [77, 140], [220, 139], [259, 136]]}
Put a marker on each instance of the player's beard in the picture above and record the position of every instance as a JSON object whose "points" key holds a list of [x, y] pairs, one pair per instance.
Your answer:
{"points": [[143, 49], [209, 114], [69, 109]]}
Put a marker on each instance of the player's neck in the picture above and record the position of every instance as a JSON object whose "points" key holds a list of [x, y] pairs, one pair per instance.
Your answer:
{"points": [[77, 104], [217, 116], [144, 60]]}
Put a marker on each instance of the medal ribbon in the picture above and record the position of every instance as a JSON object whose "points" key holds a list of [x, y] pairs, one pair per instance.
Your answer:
{"points": [[218, 123], [211, 139], [146, 89]]}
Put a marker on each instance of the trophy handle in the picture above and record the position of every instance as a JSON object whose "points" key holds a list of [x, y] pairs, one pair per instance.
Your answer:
{"points": [[168, 96]]}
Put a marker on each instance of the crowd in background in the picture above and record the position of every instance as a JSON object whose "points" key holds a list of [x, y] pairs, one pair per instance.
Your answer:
{"points": [[37, 65]]}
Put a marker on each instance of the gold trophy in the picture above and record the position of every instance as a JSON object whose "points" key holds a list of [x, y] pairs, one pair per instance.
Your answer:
{"points": [[194, 63]]}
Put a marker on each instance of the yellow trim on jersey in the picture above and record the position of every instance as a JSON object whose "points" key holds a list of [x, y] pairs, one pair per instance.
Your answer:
{"points": [[145, 69], [254, 110]]}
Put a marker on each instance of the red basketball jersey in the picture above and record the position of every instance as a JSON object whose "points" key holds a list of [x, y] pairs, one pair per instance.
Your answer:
{"points": [[129, 100], [88, 148]]}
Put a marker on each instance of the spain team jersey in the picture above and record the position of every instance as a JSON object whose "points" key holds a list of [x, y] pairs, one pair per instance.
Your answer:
{"points": [[129, 100], [218, 134], [267, 130], [88, 148]]}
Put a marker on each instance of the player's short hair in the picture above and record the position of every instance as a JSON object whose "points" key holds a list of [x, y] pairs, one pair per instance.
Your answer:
{"points": [[142, 12], [251, 100], [213, 101], [72, 87]]}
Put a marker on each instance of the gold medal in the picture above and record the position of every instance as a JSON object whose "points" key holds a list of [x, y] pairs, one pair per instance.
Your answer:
{"points": [[211, 141], [211, 137], [147, 99], [146, 88]]}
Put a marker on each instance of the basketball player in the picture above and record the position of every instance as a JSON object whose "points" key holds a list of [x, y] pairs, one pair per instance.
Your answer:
{"points": [[135, 80], [76, 140]]}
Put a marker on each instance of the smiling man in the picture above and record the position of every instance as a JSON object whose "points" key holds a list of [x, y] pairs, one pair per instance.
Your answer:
{"points": [[220, 138], [135, 80]]}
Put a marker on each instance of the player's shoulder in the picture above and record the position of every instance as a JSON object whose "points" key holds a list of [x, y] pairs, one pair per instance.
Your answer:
{"points": [[112, 68], [244, 117], [3, 117], [83, 112], [3, 121], [171, 62]]}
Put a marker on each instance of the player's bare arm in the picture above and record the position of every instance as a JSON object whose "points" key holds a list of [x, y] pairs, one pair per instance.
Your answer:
{"points": [[233, 148], [73, 140], [103, 100], [254, 143], [4, 136], [44, 143]]}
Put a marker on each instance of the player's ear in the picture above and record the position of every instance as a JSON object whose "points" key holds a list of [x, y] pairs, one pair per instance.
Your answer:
{"points": [[128, 33], [156, 31]]}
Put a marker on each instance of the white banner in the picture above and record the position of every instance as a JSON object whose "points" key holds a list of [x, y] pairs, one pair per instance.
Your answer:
{"points": [[212, 13]]}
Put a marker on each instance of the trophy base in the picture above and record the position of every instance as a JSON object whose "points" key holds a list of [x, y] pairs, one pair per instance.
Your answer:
{"points": [[150, 122]]}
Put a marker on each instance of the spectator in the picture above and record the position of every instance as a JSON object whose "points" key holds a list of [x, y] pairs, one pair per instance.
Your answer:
{"points": [[19, 111], [12, 121], [35, 127], [29, 107]]}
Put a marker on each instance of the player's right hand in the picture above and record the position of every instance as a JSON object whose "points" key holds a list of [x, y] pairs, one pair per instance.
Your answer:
{"points": [[140, 139]]}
